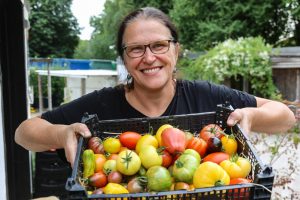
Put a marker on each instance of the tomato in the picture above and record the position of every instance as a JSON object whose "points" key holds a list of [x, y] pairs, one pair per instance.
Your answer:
{"points": [[184, 168], [112, 156], [236, 166], [214, 144], [114, 177], [229, 144], [188, 136], [95, 144], [197, 144], [150, 156], [166, 159], [211, 130], [98, 179], [109, 166], [137, 184], [146, 140], [210, 174], [99, 162], [181, 186], [239, 193], [159, 132], [216, 157], [98, 191], [173, 140], [159, 179], [193, 153], [88, 160], [128, 162], [114, 188], [129, 139], [112, 145]]}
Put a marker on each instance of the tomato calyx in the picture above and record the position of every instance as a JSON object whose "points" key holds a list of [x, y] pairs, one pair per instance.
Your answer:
{"points": [[127, 159], [219, 183], [234, 158]]}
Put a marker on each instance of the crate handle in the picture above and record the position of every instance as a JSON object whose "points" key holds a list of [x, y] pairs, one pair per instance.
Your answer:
{"points": [[267, 170]]}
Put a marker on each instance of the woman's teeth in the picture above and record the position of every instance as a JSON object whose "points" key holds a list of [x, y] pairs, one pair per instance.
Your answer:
{"points": [[151, 70]]}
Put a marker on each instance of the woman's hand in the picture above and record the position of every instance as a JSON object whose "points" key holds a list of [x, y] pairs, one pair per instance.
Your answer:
{"points": [[242, 117], [69, 139]]}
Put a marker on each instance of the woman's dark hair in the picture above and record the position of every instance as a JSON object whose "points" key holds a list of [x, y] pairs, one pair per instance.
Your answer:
{"points": [[147, 12]]}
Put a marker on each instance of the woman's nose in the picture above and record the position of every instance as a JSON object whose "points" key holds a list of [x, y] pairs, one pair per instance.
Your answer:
{"points": [[148, 57]]}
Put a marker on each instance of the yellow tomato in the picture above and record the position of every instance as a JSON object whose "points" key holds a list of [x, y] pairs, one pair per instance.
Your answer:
{"points": [[237, 167], [210, 174], [115, 188], [159, 132], [229, 144], [146, 140], [128, 162], [112, 145]]}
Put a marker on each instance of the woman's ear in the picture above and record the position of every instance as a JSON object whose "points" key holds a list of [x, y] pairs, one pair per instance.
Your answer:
{"points": [[177, 50]]}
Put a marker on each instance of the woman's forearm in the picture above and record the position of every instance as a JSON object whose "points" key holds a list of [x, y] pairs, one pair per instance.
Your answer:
{"points": [[272, 117], [37, 134]]}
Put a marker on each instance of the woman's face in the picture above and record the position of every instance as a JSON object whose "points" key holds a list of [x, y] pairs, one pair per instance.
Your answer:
{"points": [[150, 71]]}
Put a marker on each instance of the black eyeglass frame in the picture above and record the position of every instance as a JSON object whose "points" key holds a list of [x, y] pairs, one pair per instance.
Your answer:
{"points": [[148, 45]]}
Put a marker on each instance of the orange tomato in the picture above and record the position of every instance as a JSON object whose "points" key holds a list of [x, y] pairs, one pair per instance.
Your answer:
{"points": [[99, 162]]}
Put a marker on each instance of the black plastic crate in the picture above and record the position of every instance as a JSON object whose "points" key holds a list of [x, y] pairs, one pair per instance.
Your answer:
{"points": [[260, 173]]}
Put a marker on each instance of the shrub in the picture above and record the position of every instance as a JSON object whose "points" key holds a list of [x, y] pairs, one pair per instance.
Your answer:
{"points": [[246, 57]]}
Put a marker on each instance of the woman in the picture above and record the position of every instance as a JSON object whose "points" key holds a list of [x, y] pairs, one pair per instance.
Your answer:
{"points": [[148, 44]]}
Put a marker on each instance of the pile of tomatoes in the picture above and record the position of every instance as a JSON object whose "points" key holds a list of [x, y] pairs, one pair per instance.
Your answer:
{"points": [[171, 159]]}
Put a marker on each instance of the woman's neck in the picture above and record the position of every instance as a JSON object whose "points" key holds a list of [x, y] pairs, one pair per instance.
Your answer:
{"points": [[151, 104]]}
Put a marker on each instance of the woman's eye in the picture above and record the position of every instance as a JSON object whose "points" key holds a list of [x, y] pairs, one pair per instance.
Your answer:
{"points": [[158, 45], [134, 49]]}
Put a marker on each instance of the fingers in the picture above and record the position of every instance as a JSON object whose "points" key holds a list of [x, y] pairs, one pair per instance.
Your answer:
{"points": [[234, 117], [81, 129]]}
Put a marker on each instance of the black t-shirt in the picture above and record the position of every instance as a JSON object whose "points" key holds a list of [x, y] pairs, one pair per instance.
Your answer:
{"points": [[110, 103]]}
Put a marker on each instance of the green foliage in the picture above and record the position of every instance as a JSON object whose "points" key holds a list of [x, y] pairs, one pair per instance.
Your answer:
{"points": [[83, 50], [202, 24], [246, 57], [54, 30], [58, 85]]}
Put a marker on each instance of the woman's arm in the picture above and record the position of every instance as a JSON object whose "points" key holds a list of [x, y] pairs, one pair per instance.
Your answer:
{"points": [[269, 117], [38, 135]]}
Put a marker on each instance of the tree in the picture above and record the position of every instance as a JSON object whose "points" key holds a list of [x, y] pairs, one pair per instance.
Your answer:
{"points": [[54, 30], [106, 26], [83, 50], [202, 24]]}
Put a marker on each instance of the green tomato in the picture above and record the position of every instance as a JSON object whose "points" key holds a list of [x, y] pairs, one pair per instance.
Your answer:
{"points": [[128, 162], [109, 166], [159, 179], [193, 153], [184, 168], [150, 157]]}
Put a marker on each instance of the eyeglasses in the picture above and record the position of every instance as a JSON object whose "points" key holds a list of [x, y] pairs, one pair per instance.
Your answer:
{"points": [[138, 50]]}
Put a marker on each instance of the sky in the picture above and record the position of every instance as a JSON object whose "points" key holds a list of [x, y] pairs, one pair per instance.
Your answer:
{"points": [[83, 10]]}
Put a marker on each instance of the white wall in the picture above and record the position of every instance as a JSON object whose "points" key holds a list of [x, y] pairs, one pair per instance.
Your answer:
{"points": [[73, 86], [2, 155]]}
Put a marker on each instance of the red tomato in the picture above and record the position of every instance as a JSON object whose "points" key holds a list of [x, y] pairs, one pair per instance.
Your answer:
{"points": [[239, 193], [211, 130], [173, 139], [129, 139], [98, 179], [167, 159], [216, 157], [198, 144], [95, 144]]}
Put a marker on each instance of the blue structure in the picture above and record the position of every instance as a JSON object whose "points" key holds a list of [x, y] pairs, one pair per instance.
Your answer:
{"points": [[73, 64]]}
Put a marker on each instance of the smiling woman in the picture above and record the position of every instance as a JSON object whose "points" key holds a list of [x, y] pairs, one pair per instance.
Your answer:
{"points": [[83, 11]]}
